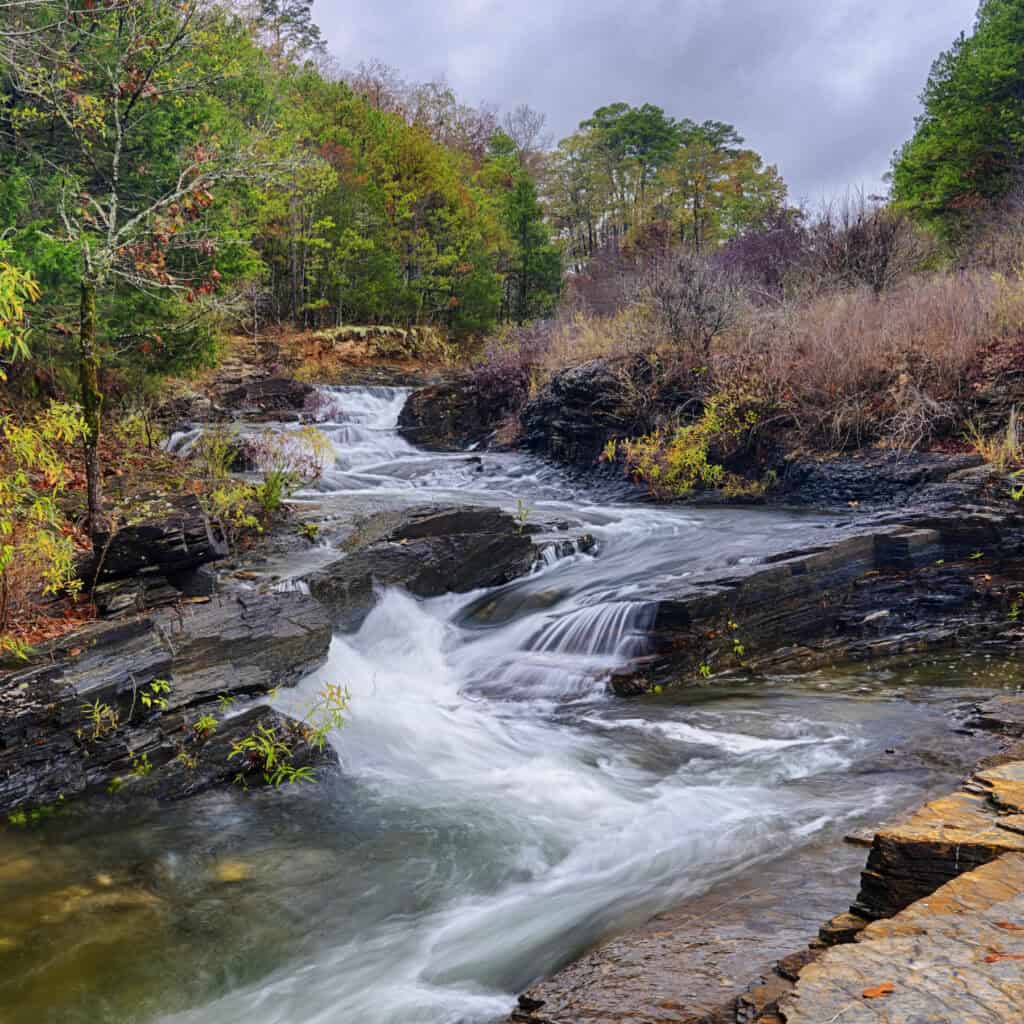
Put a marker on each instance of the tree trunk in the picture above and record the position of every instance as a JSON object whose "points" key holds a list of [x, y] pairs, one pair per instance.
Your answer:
{"points": [[92, 406]]}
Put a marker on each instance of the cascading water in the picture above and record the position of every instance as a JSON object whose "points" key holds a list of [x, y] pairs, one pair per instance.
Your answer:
{"points": [[498, 811]]}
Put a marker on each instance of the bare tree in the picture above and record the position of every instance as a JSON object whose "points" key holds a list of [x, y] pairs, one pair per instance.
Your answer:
{"points": [[526, 127], [694, 300], [862, 242]]}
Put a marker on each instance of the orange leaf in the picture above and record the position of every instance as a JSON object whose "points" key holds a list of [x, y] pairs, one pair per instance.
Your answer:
{"points": [[994, 958], [879, 991], [1008, 927]]}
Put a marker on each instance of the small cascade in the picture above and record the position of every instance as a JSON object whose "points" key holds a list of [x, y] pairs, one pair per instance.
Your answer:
{"points": [[617, 628]]}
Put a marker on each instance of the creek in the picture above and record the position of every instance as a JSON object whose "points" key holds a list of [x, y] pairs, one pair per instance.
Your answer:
{"points": [[498, 811]]}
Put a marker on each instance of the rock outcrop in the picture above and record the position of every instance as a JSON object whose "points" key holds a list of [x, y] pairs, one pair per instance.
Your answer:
{"points": [[427, 551], [119, 700], [581, 409], [459, 414]]}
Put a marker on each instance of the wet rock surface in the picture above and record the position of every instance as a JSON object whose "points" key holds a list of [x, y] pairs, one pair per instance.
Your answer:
{"points": [[88, 712], [874, 478], [952, 958], [428, 551]]}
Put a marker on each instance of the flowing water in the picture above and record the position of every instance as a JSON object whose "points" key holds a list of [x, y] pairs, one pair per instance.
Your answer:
{"points": [[498, 812]]}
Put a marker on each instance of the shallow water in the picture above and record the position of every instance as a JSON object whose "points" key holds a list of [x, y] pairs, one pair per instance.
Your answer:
{"points": [[498, 812]]}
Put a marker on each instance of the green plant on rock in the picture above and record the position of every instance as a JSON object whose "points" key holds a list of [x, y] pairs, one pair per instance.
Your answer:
{"points": [[141, 766], [153, 696], [523, 512], [266, 751], [677, 462], [326, 714], [205, 726], [101, 720], [310, 531]]}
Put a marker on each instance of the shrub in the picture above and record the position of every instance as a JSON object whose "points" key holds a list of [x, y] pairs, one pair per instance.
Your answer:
{"points": [[675, 463], [36, 550]]}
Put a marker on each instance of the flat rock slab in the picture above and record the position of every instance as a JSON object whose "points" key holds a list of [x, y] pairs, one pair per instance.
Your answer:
{"points": [[428, 551], [956, 957]]}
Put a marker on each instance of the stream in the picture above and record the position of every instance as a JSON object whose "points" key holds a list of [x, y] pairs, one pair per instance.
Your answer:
{"points": [[498, 811]]}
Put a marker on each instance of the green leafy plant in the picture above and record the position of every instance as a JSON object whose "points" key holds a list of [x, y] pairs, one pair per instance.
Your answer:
{"points": [[225, 701], [327, 713], [267, 752], [705, 670], [37, 555], [141, 766], [101, 719], [205, 726], [153, 695], [310, 531]]}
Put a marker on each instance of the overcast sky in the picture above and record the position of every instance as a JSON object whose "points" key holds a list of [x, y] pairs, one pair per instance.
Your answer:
{"points": [[825, 89]]}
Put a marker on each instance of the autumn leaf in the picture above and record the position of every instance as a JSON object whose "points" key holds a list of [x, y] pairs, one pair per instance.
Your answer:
{"points": [[879, 991], [995, 956], [1008, 927]]}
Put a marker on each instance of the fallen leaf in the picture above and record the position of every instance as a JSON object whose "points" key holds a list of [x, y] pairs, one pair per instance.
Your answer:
{"points": [[994, 958], [879, 991], [1008, 927], [75, 652]]}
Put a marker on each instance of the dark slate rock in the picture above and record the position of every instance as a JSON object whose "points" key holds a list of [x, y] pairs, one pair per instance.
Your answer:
{"points": [[428, 551]]}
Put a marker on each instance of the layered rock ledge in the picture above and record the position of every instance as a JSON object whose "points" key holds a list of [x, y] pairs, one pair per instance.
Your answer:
{"points": [[87, 711]]}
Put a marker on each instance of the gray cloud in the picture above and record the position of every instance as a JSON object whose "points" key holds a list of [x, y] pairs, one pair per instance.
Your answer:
{"points": [[825, 90]]}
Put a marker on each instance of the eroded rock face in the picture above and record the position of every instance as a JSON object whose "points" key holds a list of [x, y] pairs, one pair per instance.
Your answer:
{"points": [[875, 477], [954, 957], [428, 551], [72, 724]]}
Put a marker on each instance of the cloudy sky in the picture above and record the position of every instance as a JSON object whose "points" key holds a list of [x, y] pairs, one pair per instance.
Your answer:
{"points": [[826, 89]]}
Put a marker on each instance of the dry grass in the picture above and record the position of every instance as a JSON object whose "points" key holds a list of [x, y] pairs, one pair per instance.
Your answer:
{"points": [[847, 367], [856, 368]]}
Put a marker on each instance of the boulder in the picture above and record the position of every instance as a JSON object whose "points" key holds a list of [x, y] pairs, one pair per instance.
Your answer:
{"points": [[268, 397], [167, 535], [459, 414], [427, 551], [581, 409]]}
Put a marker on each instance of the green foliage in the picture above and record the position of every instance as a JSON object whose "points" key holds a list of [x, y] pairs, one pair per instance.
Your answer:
{"points": [[628, 167], [17, 290], [674, 464], [36, 551], [25, 819], [968, 145], [325, 714], [141, 766], [205, 726], [152, 697], [267, 752]]}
